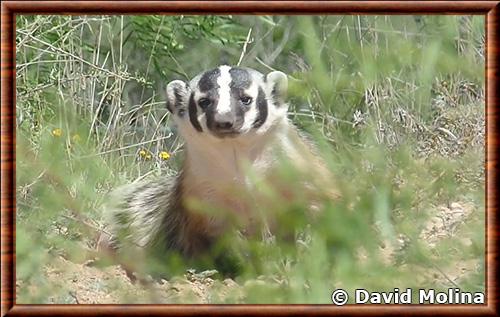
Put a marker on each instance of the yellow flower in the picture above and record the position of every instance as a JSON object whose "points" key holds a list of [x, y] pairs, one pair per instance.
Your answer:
{"points": [[57, 132], [76, 138], [145, 154], [164, 155]]}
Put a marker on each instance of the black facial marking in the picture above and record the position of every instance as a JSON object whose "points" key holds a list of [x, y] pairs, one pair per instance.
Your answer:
{"points": [[193, 114], [181, 112], [240, 78], [240, 116], [261, 108], [208, 80], [240, 81], [209, 115]]}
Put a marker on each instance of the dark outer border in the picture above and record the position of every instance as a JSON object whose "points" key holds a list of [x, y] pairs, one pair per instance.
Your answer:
{"points": [[10, 8]]}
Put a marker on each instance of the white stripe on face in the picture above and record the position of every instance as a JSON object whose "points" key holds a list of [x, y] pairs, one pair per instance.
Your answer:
{"points": [[224, 80]]}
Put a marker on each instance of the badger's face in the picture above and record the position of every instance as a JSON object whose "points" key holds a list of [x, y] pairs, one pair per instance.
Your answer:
{"points": [[228, 102]]}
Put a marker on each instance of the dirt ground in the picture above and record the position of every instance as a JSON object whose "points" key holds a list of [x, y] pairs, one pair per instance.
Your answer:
{"points": [[82, 283]]}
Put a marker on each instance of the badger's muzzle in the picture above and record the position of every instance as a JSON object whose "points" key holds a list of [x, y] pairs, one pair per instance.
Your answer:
{"points": [[227, 124]]}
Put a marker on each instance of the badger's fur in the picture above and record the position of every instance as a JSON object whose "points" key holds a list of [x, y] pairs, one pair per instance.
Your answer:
{"points": [[234, 124]]}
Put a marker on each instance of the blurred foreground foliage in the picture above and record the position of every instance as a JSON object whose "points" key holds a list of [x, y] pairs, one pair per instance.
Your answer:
{"points": [[396, 104]]}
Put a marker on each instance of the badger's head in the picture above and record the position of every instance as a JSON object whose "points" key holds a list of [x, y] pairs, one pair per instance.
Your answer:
{"points": [[228, 102]]}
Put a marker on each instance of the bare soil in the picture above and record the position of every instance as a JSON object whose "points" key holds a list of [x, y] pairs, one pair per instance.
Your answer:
{"points": [[81, 283]]}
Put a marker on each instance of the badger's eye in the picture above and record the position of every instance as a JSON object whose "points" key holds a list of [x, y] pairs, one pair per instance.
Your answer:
{"points": [[204, 103], [246, 100]]}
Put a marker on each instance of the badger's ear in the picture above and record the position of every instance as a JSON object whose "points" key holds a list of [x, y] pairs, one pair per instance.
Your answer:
{"points": [[177, 96], [277, 85]]}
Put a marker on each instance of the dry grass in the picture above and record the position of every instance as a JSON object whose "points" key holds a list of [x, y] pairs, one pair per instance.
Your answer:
{"points": [[396, 103]]}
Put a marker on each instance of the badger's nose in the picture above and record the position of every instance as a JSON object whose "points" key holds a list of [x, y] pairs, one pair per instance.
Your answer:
{"points": [[224, 125], [224, 121]]}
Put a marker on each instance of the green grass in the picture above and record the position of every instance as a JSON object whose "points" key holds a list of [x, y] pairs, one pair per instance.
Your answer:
{"points": [[396, 104]]}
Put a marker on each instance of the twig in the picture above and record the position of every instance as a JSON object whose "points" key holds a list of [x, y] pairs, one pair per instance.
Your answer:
{"points": [[447, 132], [280, 47], [76, 57], [124, 147], [245, 47], [446, 276], [91, 226], [273, 69], [73, 294]]}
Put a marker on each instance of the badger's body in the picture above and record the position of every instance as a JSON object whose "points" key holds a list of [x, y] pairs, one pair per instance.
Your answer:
{"points": [[234, 123]]}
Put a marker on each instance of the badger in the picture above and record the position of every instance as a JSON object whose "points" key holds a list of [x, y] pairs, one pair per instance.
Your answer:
{"points": [[234, 123]]}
